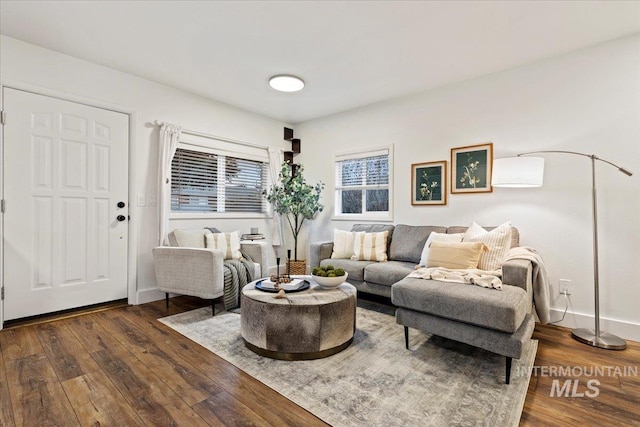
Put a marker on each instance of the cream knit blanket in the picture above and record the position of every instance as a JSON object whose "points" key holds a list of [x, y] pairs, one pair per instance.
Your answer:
{"points": [[540, 281], [484, 278]]}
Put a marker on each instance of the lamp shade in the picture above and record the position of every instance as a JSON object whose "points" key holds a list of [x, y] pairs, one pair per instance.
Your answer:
{"points": [[518, 172]]}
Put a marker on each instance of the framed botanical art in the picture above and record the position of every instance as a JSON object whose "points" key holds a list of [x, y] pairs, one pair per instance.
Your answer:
{"points": [[429, 183], [471, 168]]}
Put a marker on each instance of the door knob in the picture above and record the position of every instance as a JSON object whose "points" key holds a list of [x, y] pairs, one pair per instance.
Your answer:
{"points": [[121, 204], [121, 218]]}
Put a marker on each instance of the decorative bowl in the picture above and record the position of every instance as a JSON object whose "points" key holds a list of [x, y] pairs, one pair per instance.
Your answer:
{"points": [[330, 282]]}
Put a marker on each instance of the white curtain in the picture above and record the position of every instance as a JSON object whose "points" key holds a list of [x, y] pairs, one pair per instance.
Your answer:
{"points": [[276, 158], [169, 137]]}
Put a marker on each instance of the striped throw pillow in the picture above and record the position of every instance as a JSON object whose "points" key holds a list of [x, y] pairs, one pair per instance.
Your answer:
{"points": [[370, 246], [229, 243], [343, 244], [498, 240]]}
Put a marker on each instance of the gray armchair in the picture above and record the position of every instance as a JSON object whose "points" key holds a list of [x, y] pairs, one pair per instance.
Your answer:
{"points": [[189, 271], [188, 268]]}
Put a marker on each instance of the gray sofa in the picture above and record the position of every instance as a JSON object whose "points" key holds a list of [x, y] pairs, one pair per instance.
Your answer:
{"points": [[497, 321], [404, 247]]}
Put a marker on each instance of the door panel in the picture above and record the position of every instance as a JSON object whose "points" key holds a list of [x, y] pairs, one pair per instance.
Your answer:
{"points": [[65, 170]]}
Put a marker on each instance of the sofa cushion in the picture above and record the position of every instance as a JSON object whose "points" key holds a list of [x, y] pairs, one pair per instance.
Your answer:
{"points": [[354, 268], [387, 273], [370, 246], [188, 238], [501, 310], [408, 241]]}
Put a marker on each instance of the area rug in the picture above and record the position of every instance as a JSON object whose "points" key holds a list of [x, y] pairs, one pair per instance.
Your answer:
{"points": [[376, 381]]}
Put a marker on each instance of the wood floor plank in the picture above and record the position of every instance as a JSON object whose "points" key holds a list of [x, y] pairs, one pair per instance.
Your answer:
{"points": [[97, 402], [20, 342], [6, 411], [65, 352], [225, 410], [185, 381], [152, 399], [90, 334], [37, 396]]}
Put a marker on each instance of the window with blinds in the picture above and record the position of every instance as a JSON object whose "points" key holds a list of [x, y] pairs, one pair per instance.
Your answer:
{"points": [[203, 181], [362, 184]]}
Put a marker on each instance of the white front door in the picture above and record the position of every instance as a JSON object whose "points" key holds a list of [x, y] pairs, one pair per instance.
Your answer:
{"points": [[66, 204]]}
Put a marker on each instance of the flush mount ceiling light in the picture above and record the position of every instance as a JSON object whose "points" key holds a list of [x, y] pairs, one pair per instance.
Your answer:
{"points": [[286, 83]]}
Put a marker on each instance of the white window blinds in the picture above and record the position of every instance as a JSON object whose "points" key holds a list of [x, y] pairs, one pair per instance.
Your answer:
{"points": [[205, 181]]}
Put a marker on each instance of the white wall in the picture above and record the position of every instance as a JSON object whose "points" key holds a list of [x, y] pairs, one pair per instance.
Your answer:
{"points": [[586, 101], [24, 63]]}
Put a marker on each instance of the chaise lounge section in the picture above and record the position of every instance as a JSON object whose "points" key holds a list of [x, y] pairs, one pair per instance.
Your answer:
{"points": [[499, 321]]}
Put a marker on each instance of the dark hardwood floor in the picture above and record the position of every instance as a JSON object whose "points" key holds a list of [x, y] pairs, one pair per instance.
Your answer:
{"points": [[122, 367]]}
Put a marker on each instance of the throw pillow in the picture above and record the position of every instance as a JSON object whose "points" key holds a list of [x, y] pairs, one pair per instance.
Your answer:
{"points": [[498, 240], [370, 246], [343, 244], [189, 238], [438, 237], [460, 256], [229, 243]]}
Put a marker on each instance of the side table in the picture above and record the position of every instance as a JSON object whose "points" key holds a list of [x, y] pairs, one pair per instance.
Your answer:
{"points": [[260, 254]]}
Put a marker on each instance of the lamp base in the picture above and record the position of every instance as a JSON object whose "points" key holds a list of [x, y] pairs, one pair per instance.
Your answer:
{"points": [[605, 340]]}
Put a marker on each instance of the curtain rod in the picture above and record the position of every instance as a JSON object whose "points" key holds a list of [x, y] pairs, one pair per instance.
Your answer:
{"points": [[219, 138]]}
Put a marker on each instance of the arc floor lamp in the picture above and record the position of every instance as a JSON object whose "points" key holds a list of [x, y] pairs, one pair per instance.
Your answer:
{"points": [[522, 172]]}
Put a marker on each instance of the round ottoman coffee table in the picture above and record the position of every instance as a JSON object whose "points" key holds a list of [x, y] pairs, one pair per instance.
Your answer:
{"points": [[305, 325]]}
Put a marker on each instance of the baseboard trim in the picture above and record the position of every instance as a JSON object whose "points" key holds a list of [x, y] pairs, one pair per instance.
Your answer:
{"points": [[149, 295], [626, 330]]}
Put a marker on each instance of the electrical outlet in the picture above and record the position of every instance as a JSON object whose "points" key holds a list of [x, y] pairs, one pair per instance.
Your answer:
{"points": [[565, 287], [142, 201]]}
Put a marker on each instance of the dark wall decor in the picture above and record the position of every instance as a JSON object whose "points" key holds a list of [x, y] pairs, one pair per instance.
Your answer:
{"points": [[471, 168], [429, 183]]}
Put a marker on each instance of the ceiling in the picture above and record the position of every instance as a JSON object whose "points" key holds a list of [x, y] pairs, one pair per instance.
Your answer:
{"points": [[350, 53]]}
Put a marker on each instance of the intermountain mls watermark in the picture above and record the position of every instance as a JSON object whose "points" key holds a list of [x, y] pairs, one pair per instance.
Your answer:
{"points": [[577, 381]]}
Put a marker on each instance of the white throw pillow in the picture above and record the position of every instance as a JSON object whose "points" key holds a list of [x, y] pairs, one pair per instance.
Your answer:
{"points": [[498, 240], [343, 244], [229, 243], [438, 237], [370, 246]]}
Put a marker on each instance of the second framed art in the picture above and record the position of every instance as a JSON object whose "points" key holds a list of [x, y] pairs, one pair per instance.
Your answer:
{"points": [[429, 183], [471, 168]]}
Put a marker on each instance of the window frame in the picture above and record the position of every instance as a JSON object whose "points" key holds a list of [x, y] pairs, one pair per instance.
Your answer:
{"points": [[337, 201], [222, 147]]}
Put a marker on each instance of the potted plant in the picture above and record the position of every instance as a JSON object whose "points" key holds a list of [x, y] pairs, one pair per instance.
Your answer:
{"points": [[297, 201]]}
